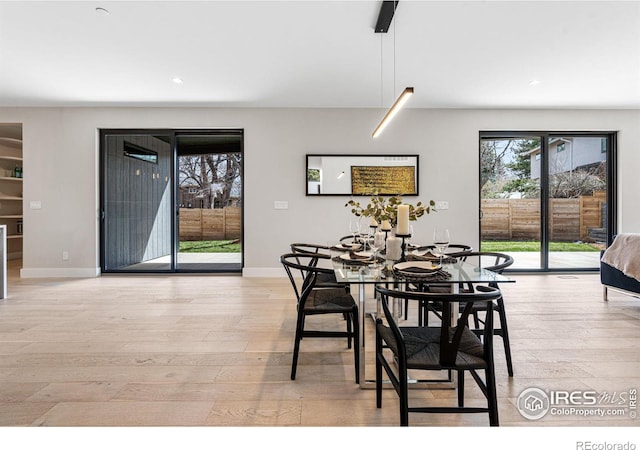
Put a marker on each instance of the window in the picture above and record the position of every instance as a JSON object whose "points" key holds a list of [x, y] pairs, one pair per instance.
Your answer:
{"points": [[141, 153], [548, 204]]}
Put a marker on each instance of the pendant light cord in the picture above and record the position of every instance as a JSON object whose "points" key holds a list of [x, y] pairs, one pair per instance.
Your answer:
{"points": [[395, 20], [381, 72]]}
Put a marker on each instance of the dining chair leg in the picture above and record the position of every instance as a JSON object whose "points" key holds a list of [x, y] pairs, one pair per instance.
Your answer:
{"points": [[404, 398], [296, 345], [492, 398], [476, 320], [378, 372], [356, 343], [505, 335], [460, 388], [349, 317]]}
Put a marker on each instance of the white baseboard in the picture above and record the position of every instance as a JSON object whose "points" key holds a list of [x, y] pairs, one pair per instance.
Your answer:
{"points": [[249, 272], [263, 272], [72, 272]]}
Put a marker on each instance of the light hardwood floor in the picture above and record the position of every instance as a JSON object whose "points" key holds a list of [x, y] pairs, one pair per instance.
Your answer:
{"points": [[216, 351]]}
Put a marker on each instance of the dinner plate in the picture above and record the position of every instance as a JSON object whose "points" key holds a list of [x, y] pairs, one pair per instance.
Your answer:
{"points": [[347, 246], [417, 267], [360, 256]]}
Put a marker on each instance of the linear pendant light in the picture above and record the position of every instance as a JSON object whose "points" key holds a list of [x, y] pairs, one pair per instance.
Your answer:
{"points": [[398, 104]]}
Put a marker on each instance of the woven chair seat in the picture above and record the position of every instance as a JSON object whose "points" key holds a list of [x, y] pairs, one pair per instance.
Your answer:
{"points": [[423, 348], [328, 301]]}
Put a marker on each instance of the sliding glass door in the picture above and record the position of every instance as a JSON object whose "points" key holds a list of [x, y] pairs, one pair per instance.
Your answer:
{"points": [[547, 199], [209, 201], [137, 202], [171, 200]]}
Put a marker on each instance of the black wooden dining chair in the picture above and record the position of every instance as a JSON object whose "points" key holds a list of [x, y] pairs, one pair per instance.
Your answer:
{"points": [[495, 262], [313, 300], [457, 251], [436, 348]]}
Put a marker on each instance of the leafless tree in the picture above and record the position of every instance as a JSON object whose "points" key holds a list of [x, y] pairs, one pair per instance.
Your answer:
{"points": [[214, 176]]}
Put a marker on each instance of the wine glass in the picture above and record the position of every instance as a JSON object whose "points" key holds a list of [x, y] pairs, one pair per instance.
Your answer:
{"points": [[354, 227], [410, 236], [441, 241], [374, 245]]}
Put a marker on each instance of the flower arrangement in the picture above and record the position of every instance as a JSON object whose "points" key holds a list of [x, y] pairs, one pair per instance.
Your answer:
{"points": [[386, 209]]}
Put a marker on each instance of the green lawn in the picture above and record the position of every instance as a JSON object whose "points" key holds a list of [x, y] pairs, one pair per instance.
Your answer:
{"points": [[531, 246], [210, 247]]}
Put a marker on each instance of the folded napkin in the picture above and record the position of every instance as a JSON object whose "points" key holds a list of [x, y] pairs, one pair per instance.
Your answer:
{"points": [[429, 257], [411, 269], [426, 257], [353, 255]]}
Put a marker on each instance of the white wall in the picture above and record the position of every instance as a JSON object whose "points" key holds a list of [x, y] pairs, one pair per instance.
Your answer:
{"points": [[61, 170]]}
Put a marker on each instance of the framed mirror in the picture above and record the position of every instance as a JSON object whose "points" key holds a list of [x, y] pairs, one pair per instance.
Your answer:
{"points": [[362, 174]]}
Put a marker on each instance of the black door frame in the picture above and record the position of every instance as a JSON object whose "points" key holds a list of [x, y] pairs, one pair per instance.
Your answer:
{"points": [[172, 134]]}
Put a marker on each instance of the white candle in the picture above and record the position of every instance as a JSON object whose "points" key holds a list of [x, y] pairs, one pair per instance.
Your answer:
{"points": [[374, 222], [403, 219], [394, 248], [386, 225]]}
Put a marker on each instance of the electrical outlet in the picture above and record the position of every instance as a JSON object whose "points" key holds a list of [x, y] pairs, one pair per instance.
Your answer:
{"points": [[65, 256], [281, 204], [440, 205]]}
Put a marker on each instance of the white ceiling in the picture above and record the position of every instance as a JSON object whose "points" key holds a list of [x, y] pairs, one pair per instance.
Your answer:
{"points": [[456, 54]]}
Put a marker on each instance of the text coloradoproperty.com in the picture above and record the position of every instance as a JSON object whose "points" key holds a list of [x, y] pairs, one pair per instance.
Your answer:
{"points": [[600, 412]]}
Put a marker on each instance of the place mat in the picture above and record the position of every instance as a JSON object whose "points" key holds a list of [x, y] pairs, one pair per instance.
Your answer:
{"points": [[420, 275], [355, 256]]}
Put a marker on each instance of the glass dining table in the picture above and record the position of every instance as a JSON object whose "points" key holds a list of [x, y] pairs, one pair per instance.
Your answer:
{"points": [[452, 273]]}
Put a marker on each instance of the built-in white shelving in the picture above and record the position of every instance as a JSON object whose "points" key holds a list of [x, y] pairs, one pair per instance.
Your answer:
{"points": [[11, 214]]}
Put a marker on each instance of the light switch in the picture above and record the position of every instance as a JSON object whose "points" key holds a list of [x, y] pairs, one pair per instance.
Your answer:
{"points": [[280, 204], [440, 205], [35, 204]]}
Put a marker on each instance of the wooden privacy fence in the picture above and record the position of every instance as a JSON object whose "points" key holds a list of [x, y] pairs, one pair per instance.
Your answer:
{"points": [[570, 219], [209, 224]]}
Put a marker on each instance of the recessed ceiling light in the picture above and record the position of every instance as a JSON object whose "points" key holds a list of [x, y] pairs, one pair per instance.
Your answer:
{"points": [[177, 80], [102, 11], [534, 82]]}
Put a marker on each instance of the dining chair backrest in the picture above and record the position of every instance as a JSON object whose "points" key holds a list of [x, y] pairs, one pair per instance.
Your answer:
{"points": [[453, 250], [450, 334], [494, 261], [300, 247], [326, 278], [306, 263]]}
